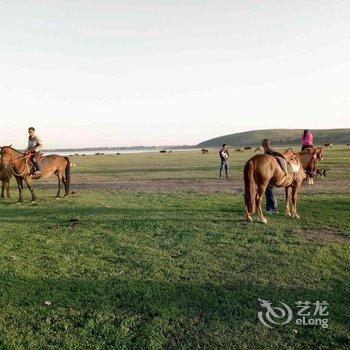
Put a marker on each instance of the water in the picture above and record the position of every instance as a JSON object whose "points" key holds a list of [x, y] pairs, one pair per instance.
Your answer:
{"points": [[109, 151]]}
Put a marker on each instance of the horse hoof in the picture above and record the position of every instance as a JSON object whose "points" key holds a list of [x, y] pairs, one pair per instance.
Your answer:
{"points": [[57, 198], [32, 202], [296, 216], [288, 214], [263, 221]]}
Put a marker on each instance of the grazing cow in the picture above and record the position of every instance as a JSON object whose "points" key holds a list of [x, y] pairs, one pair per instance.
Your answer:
{"points": [[258, 149], [205, 151], [247, 148], [239, 150], [329, 145], [322, 172], [162, 151]]}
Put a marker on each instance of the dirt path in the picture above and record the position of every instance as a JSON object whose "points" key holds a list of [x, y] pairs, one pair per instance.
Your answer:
{"points": [[201, 186]]}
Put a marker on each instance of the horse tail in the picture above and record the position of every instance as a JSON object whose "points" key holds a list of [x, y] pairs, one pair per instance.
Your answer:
{"points": [[67, 174], [249, 187]]}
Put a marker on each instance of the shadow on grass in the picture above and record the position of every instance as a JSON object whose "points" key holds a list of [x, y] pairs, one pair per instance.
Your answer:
{"points": [[172, 307]]}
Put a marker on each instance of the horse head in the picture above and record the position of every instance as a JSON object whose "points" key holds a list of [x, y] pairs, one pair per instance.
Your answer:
{"points": [[6, 153], [314, 155], [319, 153]]}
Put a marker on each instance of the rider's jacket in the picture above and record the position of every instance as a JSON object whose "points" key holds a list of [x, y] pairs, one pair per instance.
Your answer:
{"points": [[34, 144]]}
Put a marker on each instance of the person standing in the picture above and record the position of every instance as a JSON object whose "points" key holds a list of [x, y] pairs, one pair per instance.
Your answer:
{"points": [[224, 155], [307, 140], [271, 202]]}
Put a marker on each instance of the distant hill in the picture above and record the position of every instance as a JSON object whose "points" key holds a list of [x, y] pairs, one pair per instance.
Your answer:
{"points": [[279, 137]]}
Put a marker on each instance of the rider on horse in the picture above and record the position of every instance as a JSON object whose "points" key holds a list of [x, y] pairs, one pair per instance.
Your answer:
{"points": [[34, 149]]}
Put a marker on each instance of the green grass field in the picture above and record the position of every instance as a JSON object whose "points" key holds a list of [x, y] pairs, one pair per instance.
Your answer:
{"points": [[159, 269]]}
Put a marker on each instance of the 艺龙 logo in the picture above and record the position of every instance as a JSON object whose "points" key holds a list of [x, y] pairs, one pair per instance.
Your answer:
{"points": [[273, 315]]}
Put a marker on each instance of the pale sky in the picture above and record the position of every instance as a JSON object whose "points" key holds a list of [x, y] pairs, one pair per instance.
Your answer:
{"points": [[121, 73]]}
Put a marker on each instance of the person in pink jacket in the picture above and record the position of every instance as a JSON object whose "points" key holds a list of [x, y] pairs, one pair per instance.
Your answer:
{"points": [[307, 140]]}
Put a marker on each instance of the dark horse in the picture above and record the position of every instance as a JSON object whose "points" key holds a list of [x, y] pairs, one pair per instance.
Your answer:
{"points": [[21, 169], [262, 170]]}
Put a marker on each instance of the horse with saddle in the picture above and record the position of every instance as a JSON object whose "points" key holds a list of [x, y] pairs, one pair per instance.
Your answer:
{"points": [[287, 169]]}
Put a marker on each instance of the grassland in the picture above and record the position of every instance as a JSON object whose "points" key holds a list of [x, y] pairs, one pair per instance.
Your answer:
{"points": [[152, 252]]}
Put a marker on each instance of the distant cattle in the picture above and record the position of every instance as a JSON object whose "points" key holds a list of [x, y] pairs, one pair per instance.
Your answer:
{"points": [[171, 151], [348, 144], [205, 151], [247, 148], [329, 145], [162, 151], [322, 172], [258, 149], [99, 154], [239, 149]]}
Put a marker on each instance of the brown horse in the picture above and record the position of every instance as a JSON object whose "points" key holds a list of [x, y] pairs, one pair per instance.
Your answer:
{"points": [[5, 177], [21, 168], [319, 157], [263, 169]]}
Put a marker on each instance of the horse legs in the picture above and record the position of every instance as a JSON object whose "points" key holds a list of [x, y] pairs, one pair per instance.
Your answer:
{"points": [[295, 191], [8, 189], [310, 180], [64, 180], [20, 189], [3, 186], [29, 184], [259, 198], [287, 189], [59, 180]]}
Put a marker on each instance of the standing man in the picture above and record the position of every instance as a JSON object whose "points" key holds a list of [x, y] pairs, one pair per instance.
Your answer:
{"points": [[271, 202], [224, 155], [34, 148]]}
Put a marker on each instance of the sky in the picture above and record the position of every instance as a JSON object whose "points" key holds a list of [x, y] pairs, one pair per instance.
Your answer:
{"points": [[157, 72]]}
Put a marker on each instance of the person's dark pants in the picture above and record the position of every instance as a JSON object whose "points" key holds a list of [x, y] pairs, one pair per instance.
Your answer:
{"points": [[35, 162], [271, 203], [223, 166]]}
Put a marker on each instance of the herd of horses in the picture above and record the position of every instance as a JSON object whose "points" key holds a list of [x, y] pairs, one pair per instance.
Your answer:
{"points": [[260, 171]]}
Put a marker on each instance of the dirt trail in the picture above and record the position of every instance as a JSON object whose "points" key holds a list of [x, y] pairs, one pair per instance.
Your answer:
{"points": [[201, 186]]}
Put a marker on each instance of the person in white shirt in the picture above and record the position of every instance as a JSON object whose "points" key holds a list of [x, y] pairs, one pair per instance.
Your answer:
{"points": [[224, 155]]}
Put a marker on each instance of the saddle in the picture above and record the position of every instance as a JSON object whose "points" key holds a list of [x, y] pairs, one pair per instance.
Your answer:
{"points": [[35, 158], [288, 161]]}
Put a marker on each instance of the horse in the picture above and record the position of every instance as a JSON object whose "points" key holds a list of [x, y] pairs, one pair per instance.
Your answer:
{"points": [[319, 157], [21, 169], [263, 169], [5, 177]]}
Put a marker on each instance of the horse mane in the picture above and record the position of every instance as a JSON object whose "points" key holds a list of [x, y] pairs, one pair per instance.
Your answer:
{"points": [[12, 149]]}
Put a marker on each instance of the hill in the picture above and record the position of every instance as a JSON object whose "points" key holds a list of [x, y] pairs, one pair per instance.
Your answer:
{"points": [[280, 137]]}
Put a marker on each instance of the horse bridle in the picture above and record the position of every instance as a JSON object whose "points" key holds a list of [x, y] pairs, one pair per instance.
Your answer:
{"points": [[11, 161]]}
